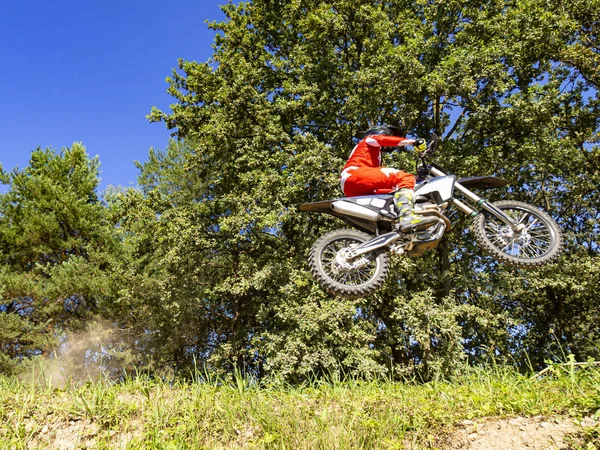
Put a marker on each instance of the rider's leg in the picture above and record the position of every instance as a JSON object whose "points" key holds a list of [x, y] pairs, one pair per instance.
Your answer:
{"points": [[409, 221], [366, 180]]}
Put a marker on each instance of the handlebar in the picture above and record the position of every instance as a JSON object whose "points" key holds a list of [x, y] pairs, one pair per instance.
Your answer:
{"points": [[431, 146], [422, 169]]}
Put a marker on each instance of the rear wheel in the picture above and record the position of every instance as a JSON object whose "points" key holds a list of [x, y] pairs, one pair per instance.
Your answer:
{"points": [[338, 274], [539, 242]]}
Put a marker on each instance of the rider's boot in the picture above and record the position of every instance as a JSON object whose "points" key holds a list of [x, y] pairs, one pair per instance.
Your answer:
{"points": [[409, 221]]}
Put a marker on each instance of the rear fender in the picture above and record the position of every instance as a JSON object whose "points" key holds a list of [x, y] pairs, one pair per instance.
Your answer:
{"points": [[369, 226], [322, 207]]}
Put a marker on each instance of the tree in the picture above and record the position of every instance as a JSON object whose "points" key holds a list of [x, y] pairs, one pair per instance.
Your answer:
{"points": [[270, 120], [54, 247]]}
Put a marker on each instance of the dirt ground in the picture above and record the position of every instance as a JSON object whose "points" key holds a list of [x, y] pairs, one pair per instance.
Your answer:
{"points": [[531, 433]]}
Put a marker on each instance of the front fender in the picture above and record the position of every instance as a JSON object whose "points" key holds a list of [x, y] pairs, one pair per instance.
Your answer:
{"points": [[483, 182]]}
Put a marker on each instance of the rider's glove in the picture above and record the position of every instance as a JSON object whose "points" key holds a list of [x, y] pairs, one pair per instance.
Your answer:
{"points": [[420, 145]]}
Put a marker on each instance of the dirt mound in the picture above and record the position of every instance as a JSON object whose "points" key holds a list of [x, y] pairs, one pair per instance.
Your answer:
{"points": [[535, 433]]}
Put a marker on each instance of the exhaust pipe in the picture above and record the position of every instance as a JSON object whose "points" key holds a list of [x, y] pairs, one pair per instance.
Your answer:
{"points": [[354, 210]]}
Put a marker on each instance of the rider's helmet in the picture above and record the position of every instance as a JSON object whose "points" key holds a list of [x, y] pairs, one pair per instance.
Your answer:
{"points": [[398, 130], [378, 129], [388, 130]]}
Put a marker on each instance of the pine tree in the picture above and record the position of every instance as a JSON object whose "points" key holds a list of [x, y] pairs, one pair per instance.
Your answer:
{"points": [[54, 247]]}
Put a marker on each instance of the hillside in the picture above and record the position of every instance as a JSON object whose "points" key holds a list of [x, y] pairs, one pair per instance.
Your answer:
{"points": [[497, 408]]}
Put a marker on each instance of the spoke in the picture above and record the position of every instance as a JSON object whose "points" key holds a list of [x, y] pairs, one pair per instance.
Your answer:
{"points": [[535, 220], [541, 229], [537, 249], [349, 277], [522, 219], [540, 234], [534, 241], [542, 242], [497, 240], [365, 274], [365, 269], [532, 251], [344, 278], [328, 255], [525, 249]]}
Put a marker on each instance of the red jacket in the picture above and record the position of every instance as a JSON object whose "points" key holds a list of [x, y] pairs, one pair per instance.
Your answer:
{"points": [[367, 152]]}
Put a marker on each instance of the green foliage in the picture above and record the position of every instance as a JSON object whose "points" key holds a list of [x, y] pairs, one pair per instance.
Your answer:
{"points": [[206, 261], [54, 242], [270, 119]]}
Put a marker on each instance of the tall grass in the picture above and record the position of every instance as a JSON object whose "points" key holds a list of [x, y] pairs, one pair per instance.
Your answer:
{"points": [[146, 413]]}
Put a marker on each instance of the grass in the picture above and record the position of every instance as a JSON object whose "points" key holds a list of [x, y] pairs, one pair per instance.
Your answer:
{"points": [[144, 413]]}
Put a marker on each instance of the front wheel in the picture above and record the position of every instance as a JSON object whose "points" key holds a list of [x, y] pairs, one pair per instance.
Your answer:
{"points": [[340, 275], [538, 243]]}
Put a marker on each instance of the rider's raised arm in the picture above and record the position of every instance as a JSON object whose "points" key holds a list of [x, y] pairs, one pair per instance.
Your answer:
{"points": [[381, 140]]}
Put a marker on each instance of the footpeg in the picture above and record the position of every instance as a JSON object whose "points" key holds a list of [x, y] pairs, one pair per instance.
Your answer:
{"points": [[422, 224]]}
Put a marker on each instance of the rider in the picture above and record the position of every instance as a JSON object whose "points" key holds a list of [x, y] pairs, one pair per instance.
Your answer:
{"points": [[363, 174]]}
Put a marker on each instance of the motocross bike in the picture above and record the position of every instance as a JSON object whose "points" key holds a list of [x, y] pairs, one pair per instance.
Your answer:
{"points": [[354, 262]]}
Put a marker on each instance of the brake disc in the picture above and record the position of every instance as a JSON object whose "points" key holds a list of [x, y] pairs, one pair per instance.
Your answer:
{"points": [[342, 263]]}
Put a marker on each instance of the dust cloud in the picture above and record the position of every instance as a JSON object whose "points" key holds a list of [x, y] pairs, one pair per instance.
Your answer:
{"points": [[102, 351]]}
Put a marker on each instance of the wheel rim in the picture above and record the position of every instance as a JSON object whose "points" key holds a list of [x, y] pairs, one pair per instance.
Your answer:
{"points": [[355, 272], [535, 241]]}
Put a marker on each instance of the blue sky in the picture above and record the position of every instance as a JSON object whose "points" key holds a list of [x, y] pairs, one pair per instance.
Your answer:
{"points": [[90, 72]]}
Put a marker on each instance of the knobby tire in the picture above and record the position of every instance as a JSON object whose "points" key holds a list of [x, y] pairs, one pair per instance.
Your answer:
{"points": [[495, 248], [319, 270]]}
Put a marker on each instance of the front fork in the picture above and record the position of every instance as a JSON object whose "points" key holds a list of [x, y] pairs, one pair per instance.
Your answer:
{"points": [[482, 203]]}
